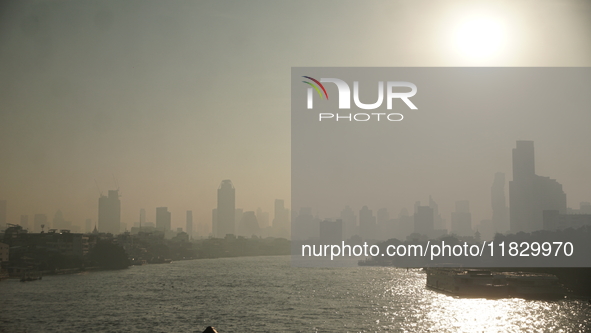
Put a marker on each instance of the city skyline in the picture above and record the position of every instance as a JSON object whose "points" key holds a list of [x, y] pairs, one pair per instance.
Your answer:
{"points": [[366, 226]]}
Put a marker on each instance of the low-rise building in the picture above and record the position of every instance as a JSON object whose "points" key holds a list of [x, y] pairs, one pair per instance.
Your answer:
{"points": [[553, 220], [4, 252]]}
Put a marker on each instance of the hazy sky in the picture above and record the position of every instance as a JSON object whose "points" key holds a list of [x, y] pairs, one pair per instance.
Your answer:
{"points": [[171, 97]]}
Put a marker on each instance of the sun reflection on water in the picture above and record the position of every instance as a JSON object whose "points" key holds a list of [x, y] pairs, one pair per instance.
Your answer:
{"points": [[430, 311]]}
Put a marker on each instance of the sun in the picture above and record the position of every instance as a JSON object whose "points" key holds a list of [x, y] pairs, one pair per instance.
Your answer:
{"points": [[480, 38]]}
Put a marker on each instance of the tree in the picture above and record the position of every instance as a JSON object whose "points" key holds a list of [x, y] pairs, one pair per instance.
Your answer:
{"points": [[108, 255]]}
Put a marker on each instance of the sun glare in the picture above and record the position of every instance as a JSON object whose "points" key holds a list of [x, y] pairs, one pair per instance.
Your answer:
{"points": [[480, 38]]}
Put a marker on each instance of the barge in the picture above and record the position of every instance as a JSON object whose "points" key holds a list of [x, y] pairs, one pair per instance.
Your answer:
{"points": [[490, 284]]}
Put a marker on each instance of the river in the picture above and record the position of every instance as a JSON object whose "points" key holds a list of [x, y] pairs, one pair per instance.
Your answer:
{"points": [[266, 294]]}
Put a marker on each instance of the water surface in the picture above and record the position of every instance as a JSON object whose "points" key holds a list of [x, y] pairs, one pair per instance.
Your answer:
{"points": [[266, 294]]}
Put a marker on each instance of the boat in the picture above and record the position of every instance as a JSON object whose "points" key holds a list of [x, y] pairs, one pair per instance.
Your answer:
{"points": [[31, 277], [367, 262], [490, 284]]}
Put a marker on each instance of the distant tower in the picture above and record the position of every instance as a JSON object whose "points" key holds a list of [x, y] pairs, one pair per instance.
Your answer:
{"points": [[163, 219], [58, 220], [281, 221], [262, 218], [530, 194], [438, 221], [189, 227], [424, 220], [226, 211], [367, 223], [249, 224], [349, 222], [461, 219], [109, 215], [331, 233], [382, 216], [500, 212], [238, 212], [142, 217], [25, 221]]}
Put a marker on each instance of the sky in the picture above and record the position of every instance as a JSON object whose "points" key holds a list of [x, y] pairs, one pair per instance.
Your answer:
{"points": [[166, 99]]}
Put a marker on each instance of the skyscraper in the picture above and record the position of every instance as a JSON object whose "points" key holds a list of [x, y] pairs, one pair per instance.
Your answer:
{"points": [[424, 220], [349, 222], [382, 216], [59, 222], [530, 194], [189, 227], [331, 233], [461, 219], [238, 212], [249, 224], [262, 218], [500, 212], [109, 215], [163, 219], [367, 223], [226, 211], [438, 221], [281, 219], [142, 217]]}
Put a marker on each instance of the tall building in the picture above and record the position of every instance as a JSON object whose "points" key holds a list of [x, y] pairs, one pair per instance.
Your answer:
{"points": [[461, 219], [303, 225], [59, 223], [585, 207], [109, 215], [382, 216], [500, 211], [438, 221], [330, 233], [238, 216], [530, 194], [281, 227], [2, 213], [226, 211], [262, 218], [40, 222], [424, 223], [349, 222], [163, 219], [367, 223], [249, 225], [406, 224], [142, 217], [189, 226], [281, 218], [88, 225]]}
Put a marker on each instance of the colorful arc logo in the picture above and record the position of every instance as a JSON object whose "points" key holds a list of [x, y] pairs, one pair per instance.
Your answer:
{"points": [[315, 86]]}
